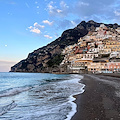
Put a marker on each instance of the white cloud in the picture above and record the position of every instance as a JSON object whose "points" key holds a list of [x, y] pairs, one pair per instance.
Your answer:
{"points": [[35, 24], [5, 45], [50, 7], [35, 30], [47, 36], [54, 10], [63, 5], [30, 27], [117, 13], [47, 22], [38, 26], [59, 11]]}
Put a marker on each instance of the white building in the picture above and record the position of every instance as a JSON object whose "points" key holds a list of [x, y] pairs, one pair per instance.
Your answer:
{"points": [[114, 54], [93, 50], [89, 56]]}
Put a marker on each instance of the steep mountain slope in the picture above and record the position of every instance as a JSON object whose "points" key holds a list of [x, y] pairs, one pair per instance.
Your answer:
{"points": [[48, 58]]}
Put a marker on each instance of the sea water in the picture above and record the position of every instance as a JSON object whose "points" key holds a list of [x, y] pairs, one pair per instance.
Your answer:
{"points": [[38, 96]]}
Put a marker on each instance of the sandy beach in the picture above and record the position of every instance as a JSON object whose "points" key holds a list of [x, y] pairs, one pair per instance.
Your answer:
{"points": [[101, 99]]}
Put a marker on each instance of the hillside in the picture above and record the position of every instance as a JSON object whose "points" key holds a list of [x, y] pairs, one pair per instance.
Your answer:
{"points": [[49, 57]]}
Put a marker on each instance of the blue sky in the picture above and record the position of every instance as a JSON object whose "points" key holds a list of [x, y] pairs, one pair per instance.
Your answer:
{"points": [[26, 25]]}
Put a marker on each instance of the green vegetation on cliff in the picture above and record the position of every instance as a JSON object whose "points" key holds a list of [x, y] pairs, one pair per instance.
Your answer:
{"points": [[55, 60]]}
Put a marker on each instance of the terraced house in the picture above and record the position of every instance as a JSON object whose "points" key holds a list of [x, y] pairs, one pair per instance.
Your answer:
{"points": [[97, 52]]}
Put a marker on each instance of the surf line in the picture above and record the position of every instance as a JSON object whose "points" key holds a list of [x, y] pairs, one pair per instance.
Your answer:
{"points": [[72, 99]]}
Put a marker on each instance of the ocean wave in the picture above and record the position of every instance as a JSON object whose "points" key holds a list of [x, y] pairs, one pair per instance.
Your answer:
{"points": [[14, 91], [7, 108], [49, 101], [60, 95]]}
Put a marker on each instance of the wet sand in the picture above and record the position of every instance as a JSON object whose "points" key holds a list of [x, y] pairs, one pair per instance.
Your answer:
{"points": [[101, 99]]}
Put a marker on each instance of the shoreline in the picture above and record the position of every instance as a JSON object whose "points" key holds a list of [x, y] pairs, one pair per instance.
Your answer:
{"points": [[99, 100], [71, 100]]}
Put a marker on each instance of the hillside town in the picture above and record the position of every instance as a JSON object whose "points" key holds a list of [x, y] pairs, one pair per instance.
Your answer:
{"points": [[97, 52]]}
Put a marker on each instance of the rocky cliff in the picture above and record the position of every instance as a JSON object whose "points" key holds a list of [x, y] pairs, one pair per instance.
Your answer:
{"points": [[48, 58]]}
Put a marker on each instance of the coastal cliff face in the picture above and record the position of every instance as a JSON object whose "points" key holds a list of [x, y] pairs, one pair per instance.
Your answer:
{"points": [[49, 57]]}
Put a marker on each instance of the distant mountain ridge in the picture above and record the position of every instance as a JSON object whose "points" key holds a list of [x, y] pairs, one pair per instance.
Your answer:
{"points": [[49, 57]]}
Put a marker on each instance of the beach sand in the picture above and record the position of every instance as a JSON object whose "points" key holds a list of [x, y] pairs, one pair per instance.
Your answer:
{"points": [[101, 99]]}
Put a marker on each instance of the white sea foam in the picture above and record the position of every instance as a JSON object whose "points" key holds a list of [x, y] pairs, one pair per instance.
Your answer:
{"points": [[72, 99]]}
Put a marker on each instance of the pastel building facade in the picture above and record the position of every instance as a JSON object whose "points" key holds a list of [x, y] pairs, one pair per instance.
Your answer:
{"points": [[112, 66], [96, 67], [114, 48], [100, 67]]}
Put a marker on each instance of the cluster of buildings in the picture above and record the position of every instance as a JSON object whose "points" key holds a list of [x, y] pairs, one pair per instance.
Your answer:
{"points": [[97, 52]]}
